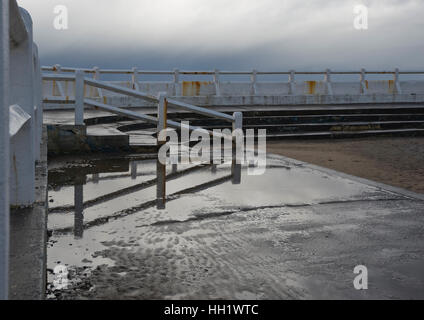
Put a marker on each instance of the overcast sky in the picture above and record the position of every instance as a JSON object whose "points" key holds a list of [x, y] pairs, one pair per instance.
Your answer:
{"points": [[230, 35]]}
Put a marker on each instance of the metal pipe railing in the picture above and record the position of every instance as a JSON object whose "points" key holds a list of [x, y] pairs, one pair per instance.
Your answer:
{"points": [[80, 101], [216, 75], [187, 72]]}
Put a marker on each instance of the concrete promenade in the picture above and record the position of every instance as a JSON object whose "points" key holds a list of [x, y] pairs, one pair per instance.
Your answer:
{"points": [[296, 232]]}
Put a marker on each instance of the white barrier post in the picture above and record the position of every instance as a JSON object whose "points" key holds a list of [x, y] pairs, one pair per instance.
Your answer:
{"points": [[398, 89], [292, 83], [254, 78], [161, 165], [134, 79], [22, 148], [327, 79], [79, 97], [58, 69], [96, 76], [217, 84], [363, 82], [4, 149], [177, 89]]}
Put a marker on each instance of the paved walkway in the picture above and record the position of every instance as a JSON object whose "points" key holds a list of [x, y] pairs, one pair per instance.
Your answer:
{"points": [[296, 232]]}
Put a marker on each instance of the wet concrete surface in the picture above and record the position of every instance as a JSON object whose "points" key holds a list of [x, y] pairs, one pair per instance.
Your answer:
{"points": [[296, 232], [28, 237]]}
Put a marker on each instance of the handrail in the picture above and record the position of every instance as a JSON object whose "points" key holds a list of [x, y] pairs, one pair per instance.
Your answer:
{"points": [[120, 111], [140, 95], [121, 90], [188, 72], [58, 77], [149, 119], [200, 110]]}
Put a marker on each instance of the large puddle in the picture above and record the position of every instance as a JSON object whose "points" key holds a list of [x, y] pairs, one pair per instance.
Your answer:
{"points": [[102, 210]]}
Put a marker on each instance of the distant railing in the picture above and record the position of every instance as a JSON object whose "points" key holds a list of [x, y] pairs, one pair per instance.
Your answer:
{"points": [[58, 68], [291, 85]]}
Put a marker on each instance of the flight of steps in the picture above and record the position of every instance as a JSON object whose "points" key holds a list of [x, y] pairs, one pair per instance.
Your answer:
{"points": [[329, 122], [307, 122]]}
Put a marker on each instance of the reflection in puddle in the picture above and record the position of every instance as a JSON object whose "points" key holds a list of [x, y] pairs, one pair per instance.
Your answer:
{"points": [[118, 204]]}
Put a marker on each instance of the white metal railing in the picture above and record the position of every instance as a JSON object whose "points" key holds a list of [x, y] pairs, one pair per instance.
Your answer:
{"points": [[161, 121], [135, 74], [58, 68], [80, 101], [20, 120]]}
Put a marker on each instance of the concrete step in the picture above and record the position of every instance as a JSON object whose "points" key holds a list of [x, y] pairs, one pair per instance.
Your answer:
{"points": [[314, 110], [331, 126], [279, 120], [343, 134]]}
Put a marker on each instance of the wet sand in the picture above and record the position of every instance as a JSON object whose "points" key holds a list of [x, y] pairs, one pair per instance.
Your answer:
{"points": [[394, 161]]}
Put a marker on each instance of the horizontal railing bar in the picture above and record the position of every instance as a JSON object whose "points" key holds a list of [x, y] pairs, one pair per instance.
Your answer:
{"points": [[120, 111], [58, 77], [156, 72], [200, 110], [150, 119], [186, 72], [121, 90], [67, 69]]}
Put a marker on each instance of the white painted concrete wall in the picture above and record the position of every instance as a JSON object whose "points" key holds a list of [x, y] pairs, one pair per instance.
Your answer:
{"points": [[197, 88], [4, 148], [241, 93], [21, 104], [22, 147]]}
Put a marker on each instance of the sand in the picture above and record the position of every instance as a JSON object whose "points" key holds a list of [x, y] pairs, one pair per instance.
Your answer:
{"points": [[394, 161]]}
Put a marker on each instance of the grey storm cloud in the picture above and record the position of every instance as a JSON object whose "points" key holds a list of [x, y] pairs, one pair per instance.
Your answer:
{"points": [[237, 34]]}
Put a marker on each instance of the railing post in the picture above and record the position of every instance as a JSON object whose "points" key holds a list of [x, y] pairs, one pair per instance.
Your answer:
{"points": [[364, 89], [4, 149], [327, 79], [58, 69], [253, 79], [216, 80], [398, 89], [238, 147], [133, 170], [79, 211], [177, 89], [96, 76], [134, 79], [79, 97], [161, 163], [292, 83]]}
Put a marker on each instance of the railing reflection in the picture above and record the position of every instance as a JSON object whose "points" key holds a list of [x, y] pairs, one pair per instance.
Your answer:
{"points": [[162, 177], [79, 211]]}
